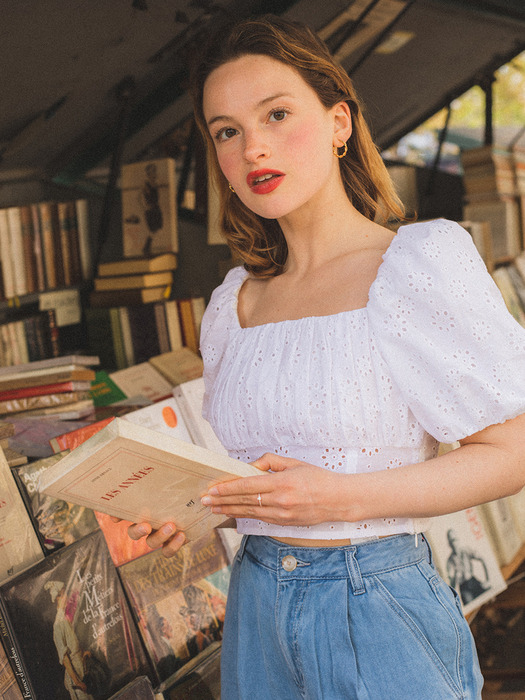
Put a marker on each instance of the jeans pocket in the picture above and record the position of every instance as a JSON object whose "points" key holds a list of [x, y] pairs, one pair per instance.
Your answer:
{"points": [[427, 620]]}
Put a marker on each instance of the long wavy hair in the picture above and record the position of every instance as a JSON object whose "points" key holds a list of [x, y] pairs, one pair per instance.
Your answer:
{"points": [[259, 243]]}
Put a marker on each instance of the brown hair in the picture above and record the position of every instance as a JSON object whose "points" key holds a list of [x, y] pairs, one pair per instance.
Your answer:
{"points": [[259, 242]]}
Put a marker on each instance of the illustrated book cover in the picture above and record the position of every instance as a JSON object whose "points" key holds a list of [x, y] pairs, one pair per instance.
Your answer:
{"points": [[149, 208], [179, 602], [57, 522], [123, 468], [465, 558], [70, 621]]}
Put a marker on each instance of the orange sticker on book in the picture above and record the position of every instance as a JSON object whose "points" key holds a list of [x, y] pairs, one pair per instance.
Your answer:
{"points": [[169, 416]]}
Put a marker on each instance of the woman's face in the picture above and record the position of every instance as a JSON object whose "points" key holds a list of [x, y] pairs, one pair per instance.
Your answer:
{"points": [[273, 136]]}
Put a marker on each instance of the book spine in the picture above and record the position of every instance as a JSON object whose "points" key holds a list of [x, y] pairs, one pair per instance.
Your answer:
{"points": [[162, 328], [118, 342], [28, 246], [74, 242], [6, 256], [188, 324], [17, 250], [37, 249], [84, 240], [64, 242], [13, 655], [53, 333], [48, 244], [22, 341], [173, 323], [126, 336]]}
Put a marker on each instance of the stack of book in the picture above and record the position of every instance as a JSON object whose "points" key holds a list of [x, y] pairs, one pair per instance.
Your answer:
{"points": [[28, 336], [44, 246], [57, 387], [128, 326], [490, 196]]}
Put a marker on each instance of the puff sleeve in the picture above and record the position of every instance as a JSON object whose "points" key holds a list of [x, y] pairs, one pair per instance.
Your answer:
{"points": [[454, 351]]}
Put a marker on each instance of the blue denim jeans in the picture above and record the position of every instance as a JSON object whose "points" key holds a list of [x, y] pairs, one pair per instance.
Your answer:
{"points": [[372, 621]]}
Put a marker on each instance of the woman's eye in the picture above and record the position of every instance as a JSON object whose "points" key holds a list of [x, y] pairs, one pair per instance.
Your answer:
{"points": [[225, 134], [278, 115]]}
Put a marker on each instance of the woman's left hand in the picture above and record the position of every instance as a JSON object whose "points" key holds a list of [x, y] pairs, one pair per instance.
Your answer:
{"points": [[295, 493]]}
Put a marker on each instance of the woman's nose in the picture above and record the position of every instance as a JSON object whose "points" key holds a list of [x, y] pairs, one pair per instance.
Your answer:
{"points": [[255, 146]]}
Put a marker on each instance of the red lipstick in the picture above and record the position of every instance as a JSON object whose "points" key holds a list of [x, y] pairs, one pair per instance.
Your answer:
{"points": [[264, 181]]}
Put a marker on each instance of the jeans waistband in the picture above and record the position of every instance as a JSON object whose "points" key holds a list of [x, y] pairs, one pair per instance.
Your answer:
{"points": [[351, 561]]}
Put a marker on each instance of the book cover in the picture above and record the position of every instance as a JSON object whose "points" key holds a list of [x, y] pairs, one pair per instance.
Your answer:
{"points": [[57, 523], [149, 208], [137, 266], [190, 396], [104, 391], [163, 416], [178, 366], [148, 279], [179, 602], [75, 437], [502, 528], [32, 435], [72, 624], [122, 469], [120, 545], [465, 558], [200, 679], [142, 379], [19, 544]]}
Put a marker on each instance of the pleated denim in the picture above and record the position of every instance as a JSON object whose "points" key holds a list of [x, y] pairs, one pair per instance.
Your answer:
{"points": [[371, 621]]}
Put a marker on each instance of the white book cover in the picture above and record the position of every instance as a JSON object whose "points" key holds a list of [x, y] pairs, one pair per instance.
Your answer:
{"points": [[190, 396], [19, 545], [465, 557], [502, 528], [163, 416]]}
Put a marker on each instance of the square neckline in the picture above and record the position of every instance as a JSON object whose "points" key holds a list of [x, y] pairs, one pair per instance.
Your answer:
{"points": [[360, 309]]}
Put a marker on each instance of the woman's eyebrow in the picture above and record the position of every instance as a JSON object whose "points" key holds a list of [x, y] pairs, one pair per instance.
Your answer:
{"points": [[225, 117]]}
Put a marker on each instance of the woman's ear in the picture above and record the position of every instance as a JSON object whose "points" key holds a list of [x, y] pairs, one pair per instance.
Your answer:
{"points": [[342, 123]]}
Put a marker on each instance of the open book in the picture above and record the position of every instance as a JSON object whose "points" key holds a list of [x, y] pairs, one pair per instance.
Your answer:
{"points": [[142, 475]]}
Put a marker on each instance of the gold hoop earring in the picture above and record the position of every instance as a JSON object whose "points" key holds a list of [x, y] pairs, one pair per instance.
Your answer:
{"points": [[335, 150], [231, 188]]}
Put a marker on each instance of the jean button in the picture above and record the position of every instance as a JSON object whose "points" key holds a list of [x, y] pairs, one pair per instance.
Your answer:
{"points": [[289, 562]]}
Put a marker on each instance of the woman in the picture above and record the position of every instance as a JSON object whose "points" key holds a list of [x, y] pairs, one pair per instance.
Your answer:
{"points": [[336, 358]]}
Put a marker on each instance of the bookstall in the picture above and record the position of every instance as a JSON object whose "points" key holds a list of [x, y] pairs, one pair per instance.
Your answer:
{"points": [[109, 250]]}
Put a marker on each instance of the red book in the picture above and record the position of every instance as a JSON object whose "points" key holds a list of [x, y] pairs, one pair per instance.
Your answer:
{"points": [[57, 388], [68, 441]]}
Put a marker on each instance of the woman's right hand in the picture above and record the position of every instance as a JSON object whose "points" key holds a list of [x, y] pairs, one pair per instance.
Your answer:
{"points": [[167, 537]]}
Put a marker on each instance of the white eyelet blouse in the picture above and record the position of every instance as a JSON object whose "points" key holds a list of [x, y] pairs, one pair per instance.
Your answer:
{"points": [[434, 356]]}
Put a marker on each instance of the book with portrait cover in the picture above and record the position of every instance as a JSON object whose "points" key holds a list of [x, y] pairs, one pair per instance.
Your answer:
{"points": [[179, 602], [138, 689], [19, 543], [465, 557], [149, 208], [122, 469], [70, 621], [57, 522]]}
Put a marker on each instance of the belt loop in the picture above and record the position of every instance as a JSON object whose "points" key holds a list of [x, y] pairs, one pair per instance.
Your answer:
{"points": [[358, 587], [240, 552]]}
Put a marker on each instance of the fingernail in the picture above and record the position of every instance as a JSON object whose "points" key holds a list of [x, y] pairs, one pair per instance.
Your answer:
{"points": [[216, 509], [142, 530], [214, 491], [180, 538], [167, 529], [206, 501]]}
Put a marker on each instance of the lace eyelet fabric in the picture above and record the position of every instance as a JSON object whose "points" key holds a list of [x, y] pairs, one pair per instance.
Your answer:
{"points": [[433, 357]]}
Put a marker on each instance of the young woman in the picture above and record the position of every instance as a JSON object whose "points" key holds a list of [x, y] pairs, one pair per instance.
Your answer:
{"points": [[336, 357]]}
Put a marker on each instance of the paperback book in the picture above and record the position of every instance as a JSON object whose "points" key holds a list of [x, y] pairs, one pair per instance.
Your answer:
{"points": [[57, 522], [122, 469], [72, 628], [179, 601]]}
